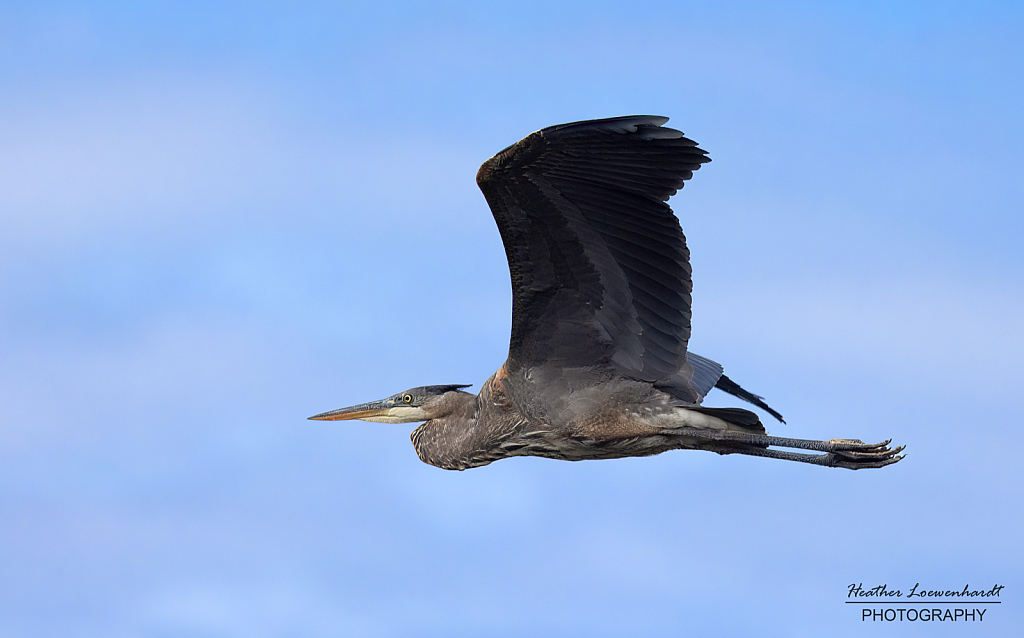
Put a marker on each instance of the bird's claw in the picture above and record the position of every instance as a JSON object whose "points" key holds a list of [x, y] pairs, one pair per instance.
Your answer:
{"points": [[853, 454]]}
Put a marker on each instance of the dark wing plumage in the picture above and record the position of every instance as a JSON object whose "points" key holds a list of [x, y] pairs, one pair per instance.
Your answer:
{"points": [[599, 265]]}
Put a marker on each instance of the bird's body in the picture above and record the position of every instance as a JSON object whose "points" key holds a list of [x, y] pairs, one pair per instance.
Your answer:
{"points": [[583, 414], [598, 366]]}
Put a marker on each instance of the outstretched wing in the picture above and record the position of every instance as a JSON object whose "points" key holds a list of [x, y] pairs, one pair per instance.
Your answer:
{"points": [[599, 265]]}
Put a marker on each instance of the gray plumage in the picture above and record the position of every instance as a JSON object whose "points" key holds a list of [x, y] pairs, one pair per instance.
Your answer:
{"points": [[598, 365]]}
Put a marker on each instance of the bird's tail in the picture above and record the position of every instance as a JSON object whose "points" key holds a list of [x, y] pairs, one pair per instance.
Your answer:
{"points": [[726, 384]]}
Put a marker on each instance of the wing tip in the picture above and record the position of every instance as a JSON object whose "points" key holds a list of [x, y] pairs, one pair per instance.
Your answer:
{"points": [[621, 124]]}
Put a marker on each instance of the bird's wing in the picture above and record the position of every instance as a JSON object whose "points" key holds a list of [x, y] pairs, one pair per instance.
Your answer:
{"points": [[706, 373], [599, 265]]}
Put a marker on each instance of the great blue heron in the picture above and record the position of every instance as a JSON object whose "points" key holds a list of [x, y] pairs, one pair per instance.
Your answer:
{"points": [[597, 365]]}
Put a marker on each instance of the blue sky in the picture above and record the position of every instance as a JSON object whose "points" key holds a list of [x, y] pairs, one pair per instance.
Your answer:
{"points": [[217, 219]]}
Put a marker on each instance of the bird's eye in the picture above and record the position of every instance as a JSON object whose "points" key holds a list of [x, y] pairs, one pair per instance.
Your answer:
{"points": [[407, 398]]}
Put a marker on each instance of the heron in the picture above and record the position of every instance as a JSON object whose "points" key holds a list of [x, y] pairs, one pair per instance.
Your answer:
{"points": [[598, 366]]}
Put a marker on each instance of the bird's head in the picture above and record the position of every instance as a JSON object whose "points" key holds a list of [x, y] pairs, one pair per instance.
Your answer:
{"points": [[415, 404]]}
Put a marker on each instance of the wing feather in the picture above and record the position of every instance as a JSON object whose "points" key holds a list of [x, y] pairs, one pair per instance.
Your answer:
{"points": [[599, 265]]}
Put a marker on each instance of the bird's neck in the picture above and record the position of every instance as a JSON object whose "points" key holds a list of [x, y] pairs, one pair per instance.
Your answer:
{"points": [[450, 439]]}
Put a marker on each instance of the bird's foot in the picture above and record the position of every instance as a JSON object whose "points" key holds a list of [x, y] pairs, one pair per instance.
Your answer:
{"points": [[854, 454]]}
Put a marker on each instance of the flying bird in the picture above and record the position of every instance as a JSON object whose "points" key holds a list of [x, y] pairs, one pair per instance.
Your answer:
{"points": [[598, 366]]}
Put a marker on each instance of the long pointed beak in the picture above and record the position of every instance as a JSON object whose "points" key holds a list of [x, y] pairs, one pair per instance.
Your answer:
{"points": [[361, 411]]}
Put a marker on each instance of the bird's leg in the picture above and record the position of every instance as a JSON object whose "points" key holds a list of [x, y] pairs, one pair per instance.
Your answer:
{"points": [[845, 459], [847, 453]]}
